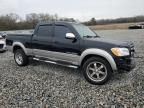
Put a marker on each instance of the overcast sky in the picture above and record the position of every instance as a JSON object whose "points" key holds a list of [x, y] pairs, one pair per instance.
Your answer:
{"points": [[78, 9]]}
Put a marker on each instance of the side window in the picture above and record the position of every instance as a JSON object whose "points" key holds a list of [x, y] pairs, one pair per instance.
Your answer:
{"points": [[60, 31], [44, 30]]}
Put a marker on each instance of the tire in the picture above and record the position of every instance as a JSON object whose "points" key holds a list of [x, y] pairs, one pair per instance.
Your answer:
{"points": [[20, 57], [97, 70]]}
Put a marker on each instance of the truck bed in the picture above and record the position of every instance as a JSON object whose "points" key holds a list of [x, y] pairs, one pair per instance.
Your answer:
{"points": [[23, 38]]}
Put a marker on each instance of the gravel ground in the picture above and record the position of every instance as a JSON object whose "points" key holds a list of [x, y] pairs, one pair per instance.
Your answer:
{"points": [[42, 85]]}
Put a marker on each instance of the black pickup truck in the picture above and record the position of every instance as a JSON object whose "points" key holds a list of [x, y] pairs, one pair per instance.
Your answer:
{"points": [[73, 45]]}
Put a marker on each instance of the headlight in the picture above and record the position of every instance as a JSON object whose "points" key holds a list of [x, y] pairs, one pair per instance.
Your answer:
{"points": [[1, 37], [120, 51]]}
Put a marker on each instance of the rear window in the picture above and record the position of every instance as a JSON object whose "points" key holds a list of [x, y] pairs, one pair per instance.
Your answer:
{"points": [[45, 30]]}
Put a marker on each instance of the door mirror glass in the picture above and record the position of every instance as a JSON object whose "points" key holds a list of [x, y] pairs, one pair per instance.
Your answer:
{"points": [[70, 36]]}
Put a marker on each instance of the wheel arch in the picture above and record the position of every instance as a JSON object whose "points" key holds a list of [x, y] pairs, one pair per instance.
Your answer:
{"points": [[18, 45], [99, 53]]}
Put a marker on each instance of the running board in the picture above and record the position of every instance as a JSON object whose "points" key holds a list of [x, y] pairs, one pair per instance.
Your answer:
{"points": [[53, 62]]}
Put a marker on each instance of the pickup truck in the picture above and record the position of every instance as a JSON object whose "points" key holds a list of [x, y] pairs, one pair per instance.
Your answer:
{"points": [[73, 45]]}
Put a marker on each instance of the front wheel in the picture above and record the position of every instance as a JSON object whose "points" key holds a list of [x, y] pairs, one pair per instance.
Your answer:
{"points": [[97, 70], [20, 57]]}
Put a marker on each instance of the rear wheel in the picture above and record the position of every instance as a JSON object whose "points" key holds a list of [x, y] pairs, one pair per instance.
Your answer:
{"points": [[97, 70], [20, 57]]}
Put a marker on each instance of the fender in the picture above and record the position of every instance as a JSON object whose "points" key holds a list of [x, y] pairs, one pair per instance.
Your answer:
{"points": [[101, 53], [27, 51]]}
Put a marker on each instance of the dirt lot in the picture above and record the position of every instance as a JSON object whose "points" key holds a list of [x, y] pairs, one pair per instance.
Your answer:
{"points": [[42, 85], [112, 26]]}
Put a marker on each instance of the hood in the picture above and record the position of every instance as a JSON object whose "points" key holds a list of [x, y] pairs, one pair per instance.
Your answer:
{"points": [[117, 43], [110, 42]]}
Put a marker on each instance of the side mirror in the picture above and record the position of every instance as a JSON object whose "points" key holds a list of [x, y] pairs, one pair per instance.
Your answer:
{"points": [[70, 36]]}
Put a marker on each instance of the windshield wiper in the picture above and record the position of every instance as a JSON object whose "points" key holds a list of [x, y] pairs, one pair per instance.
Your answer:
{"points": [[88, 36]]}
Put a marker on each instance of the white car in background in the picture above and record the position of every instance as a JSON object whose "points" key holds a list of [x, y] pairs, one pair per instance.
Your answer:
{"points": [[2, 42]]}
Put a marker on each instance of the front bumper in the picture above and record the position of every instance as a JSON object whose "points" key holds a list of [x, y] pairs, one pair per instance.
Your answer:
{"points": [[126, 63]]}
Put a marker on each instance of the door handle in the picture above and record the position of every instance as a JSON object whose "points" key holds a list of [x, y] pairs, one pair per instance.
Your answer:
{"points": [[35, 40], [56, 42]]}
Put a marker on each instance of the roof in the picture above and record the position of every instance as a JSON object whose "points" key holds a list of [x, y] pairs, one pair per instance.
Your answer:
{"points": [[57, 22]]}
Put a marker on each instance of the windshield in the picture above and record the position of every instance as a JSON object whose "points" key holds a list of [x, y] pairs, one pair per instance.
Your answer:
{"points": [[84, 31]]}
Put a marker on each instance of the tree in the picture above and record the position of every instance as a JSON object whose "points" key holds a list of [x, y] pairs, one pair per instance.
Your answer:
{"points": [[8, 21], [32, 19], [92, 21]]}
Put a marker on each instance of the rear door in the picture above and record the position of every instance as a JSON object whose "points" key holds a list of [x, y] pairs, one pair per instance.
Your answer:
{"points": [[42, 40]]}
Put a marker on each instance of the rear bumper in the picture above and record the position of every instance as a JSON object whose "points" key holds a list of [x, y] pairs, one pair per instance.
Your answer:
{"points": [[126, 64]]}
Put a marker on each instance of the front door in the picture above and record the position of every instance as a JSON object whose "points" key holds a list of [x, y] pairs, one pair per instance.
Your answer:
{"points": [[65, 49]]}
